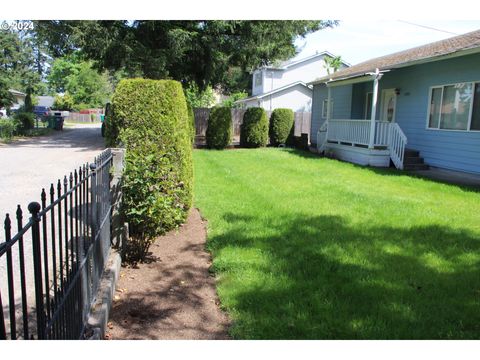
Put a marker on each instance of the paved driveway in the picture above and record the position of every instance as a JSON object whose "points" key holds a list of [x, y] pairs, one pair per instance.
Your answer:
{"points": [[26, 167]]}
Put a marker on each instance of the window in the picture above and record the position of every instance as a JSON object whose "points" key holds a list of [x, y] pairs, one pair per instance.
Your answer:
{"points": [[455, 107], [368, 105], [258, 79], [324, 109]]}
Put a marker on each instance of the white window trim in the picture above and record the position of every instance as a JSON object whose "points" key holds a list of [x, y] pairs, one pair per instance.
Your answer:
{"points": [[441, 101]]}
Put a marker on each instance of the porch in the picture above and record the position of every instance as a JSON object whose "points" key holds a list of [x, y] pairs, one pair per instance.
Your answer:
{"points": [[360, 142], [374, 140]]}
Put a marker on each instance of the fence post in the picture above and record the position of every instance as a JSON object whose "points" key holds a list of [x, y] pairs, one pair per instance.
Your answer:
{"points": [[93, 212], [34, 208]]}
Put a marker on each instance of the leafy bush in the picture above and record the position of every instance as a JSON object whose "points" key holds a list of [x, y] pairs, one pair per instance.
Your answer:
{"points": [[7, 128], [191, 121], [64, 102], [230, 101], [254, 129], [26, 120], [219, 129], [281, 126], [150, 118]]}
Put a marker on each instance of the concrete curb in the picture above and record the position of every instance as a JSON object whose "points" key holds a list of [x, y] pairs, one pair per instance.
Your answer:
{"points": [[100, 311]]}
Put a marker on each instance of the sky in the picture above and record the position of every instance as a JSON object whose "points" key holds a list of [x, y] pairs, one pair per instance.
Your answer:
{"points": [[359, 40]]}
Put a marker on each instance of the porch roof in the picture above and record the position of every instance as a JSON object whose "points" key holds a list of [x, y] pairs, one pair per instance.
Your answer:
{"points": [[455, 46]]}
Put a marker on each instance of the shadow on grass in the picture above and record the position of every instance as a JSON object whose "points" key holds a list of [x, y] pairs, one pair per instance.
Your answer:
{"points": [[391, 171], [319, 277]]}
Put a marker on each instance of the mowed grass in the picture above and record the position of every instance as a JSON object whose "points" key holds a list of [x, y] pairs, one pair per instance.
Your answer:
{"points": [[313, 248]]}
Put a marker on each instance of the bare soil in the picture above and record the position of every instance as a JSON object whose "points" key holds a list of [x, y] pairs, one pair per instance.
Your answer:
{"points": [[173, 295]]}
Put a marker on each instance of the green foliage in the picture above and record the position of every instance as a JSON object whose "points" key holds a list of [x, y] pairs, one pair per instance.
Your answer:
{"points": [[332, 64], [19, 64], [150, 119], [64, 102], [26, 120], [281, 126], [28, 105], [197, 98], [207, 52], [219, 130], [8, 128], [254, 129], [230, 101], [85, 85], [191, 121]]}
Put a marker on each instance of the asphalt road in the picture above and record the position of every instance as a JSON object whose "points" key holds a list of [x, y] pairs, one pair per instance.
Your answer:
{"points": [[27, 166]]}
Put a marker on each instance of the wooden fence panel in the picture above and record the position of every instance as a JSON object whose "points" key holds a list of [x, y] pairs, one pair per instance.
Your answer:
{"points": [[302, 123]]}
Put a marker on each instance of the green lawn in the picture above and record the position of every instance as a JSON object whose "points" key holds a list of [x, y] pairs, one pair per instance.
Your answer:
{"points": [[313, 248]]}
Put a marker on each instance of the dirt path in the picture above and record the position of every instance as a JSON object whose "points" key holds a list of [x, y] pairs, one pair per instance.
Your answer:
{"points": [[174, 296]]}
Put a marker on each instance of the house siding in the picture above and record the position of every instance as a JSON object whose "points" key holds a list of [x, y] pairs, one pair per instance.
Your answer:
{"points": [[342, 106], [449, 149]]}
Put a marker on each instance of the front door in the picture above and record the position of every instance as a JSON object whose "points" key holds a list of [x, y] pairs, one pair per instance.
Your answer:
{"points": [[389, 101]]}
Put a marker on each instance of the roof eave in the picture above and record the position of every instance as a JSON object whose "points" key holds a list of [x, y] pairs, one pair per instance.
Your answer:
{"points": [[464, 52]]}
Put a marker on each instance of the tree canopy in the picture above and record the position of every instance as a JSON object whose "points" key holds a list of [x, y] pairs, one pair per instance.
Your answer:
{"points": [[216, 53]]}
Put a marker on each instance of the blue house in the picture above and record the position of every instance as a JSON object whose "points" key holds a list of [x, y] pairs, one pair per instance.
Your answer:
{"points": [[416, 108]]}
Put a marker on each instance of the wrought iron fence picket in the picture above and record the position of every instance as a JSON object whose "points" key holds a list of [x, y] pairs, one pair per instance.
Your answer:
{"points": [[70, 239]]}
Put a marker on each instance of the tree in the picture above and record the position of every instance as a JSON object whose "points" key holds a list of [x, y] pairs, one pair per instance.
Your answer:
{"points": [[64, 102], [85, 85], [205, 52], [197, 98], [332, 63], [19, 69]]}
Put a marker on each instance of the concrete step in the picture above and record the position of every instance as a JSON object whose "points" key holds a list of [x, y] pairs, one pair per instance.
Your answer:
{"points": [[411, 153], [413, 160], [415, 167]]}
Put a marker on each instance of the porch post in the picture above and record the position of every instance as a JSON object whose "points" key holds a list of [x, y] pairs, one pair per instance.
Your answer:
{"points": [[329, 110], [329, 101], [378, 76]]}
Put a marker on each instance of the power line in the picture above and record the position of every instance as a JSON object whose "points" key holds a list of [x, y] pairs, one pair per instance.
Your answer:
{"points": [[428, 27]]}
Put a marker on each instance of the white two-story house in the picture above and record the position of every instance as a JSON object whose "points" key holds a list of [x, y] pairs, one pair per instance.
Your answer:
{"points": [[285, 85]]}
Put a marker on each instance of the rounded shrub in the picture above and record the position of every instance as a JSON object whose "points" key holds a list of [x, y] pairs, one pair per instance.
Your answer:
{"points": [[219, 129], [254, 129], [150, 119], [281, 126]]}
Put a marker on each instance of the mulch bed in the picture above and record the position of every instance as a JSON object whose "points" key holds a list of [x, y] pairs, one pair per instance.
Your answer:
{"points": [[173, 295]]}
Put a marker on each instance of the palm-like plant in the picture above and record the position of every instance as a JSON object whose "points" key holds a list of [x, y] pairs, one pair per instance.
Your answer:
{"points": [[332, 63]]}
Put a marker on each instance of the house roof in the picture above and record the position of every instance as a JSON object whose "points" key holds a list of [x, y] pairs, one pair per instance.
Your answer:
{"points": [[459, 45], [260, 96], [289, 63]]}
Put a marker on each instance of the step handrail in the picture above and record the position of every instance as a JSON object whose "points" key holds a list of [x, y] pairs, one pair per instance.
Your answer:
{"points": [[397, 141]]}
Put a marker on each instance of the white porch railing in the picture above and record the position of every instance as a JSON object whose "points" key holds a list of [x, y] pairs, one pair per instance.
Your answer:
{"points": [[397, 143], [357, 132]]}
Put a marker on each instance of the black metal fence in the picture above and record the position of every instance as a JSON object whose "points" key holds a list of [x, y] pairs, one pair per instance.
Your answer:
{"points": [[68, 236]]}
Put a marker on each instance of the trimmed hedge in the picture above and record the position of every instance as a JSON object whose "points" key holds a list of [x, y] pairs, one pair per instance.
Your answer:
{"points": [[254, 129], [191, 120], [281, 126], [150, 118], [219, 129]]}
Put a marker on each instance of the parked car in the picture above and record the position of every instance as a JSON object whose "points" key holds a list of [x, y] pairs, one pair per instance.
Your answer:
{"points": [[41, 112]]}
